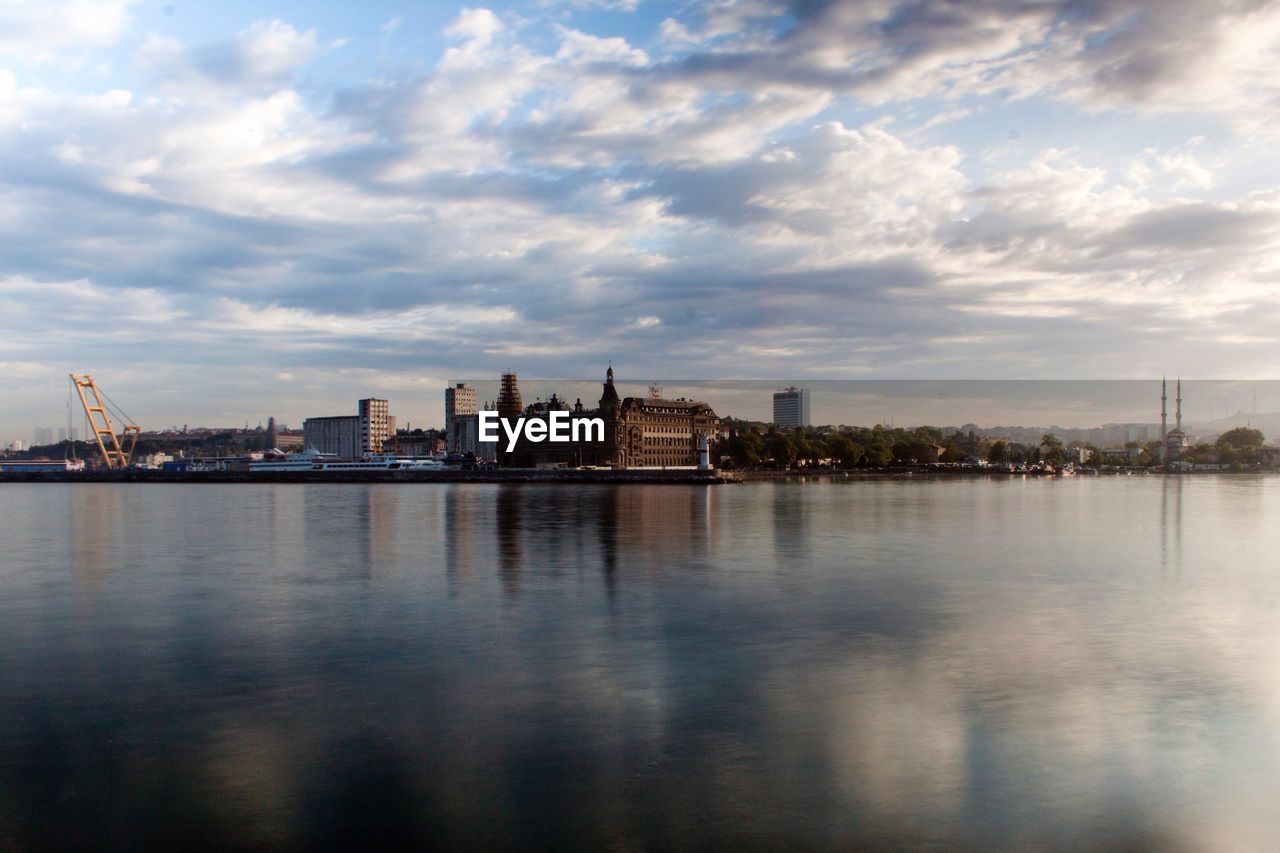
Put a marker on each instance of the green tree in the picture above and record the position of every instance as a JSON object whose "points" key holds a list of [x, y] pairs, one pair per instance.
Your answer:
{"points": [[878, 453], [844, 452], [999, 452], [1241, 437], [782, 449], [744, 449], [1051, 449]]}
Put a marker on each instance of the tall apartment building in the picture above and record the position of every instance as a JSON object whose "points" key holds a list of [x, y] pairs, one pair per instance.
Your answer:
{"points": [[791, 407], [375, 424], [459, 400]]}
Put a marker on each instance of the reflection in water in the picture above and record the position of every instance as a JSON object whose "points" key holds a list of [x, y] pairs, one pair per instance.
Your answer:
{"points": [[462, 528], [1171, 522], [832, 666], [509, 520], [93, 524]]}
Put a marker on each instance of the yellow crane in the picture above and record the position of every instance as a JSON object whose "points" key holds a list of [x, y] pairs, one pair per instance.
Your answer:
{"points": [[114, 452]]}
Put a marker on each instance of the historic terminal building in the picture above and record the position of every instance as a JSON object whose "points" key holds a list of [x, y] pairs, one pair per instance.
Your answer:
{"points": [[638, 432]]}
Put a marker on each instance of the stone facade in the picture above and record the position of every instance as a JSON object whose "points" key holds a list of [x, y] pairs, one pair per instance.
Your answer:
{"points": [[638, 432]]}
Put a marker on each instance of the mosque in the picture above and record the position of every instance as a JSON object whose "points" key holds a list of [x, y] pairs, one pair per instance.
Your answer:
{"points": [[1173, 442]]}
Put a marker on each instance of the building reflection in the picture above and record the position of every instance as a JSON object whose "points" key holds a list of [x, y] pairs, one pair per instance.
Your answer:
{"points": [[461, 532], [509, 509], [644, 531], [627, 533], [791, 507], [1171, 523], [350, 536]]}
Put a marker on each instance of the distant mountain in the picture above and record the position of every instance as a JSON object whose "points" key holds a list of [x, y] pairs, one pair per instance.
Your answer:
{"points": [[1268, 422]]}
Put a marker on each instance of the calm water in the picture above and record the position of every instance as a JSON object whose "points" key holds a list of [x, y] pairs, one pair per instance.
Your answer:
{"points": [[1023, 664]]}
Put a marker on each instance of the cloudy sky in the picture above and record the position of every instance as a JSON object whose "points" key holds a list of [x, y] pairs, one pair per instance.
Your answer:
{"points": [[229, 210]]}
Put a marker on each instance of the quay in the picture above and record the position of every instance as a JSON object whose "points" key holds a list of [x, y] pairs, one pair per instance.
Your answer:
{"points": [[681, 476]]}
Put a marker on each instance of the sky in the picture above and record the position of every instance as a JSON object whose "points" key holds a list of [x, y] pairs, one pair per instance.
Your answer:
{"points": [[231, 210]]}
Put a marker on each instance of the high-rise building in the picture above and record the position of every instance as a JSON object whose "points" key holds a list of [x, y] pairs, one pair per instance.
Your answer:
{"points": [[375, 426], [273, 437], [43, 436], [791, 407], [459, 400]]}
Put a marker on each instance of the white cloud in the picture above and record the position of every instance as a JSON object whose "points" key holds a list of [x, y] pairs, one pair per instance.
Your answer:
{"points": [[724, 197], [478, 26], [33, 30]]}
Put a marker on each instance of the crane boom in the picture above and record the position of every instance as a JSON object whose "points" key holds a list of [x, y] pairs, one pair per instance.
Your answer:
{"points": [[114, 453]]}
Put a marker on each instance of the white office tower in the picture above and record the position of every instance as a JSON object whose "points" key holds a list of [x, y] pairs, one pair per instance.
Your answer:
{"points": [[791, 407]]}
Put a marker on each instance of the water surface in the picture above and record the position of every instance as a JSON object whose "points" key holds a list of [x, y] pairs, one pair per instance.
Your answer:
{"points": [[977, 663]]}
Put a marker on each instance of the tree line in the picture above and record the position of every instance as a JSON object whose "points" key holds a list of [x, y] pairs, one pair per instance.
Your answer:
{"points": [[760, 445]]}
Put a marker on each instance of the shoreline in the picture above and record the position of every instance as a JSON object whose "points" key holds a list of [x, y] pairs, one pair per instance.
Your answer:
{"points": [[508, 475], [560, 476]]}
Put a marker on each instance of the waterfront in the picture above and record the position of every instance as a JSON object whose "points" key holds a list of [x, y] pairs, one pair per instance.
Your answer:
{"points": [[1016, 663]]}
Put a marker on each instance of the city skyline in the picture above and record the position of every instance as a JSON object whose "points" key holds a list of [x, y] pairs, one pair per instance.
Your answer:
{"points": [[275, 206], [989, 405]]}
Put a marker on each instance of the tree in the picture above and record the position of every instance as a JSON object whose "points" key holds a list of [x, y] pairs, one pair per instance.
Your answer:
{"points": [[1241, 437], [803, 450], [782, 448], [744, 448], [843, 450], [1051, 448], [878, 453], [999, 452]]}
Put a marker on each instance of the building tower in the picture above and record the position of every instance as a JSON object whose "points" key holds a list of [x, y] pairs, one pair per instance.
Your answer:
{"points": [[1164, 415], [509, 405], [1179, 409], [273, 436], [375, 424], [791, 407], [611, 414]]}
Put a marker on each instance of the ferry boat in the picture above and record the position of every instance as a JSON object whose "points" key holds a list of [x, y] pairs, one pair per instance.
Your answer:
{"points": [[307, 460], [313, 460], [388, 462]]}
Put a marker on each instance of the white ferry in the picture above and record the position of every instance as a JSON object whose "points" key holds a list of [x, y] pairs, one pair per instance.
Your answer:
{"points": [[314, 460], [307, 460], [388, 462]]}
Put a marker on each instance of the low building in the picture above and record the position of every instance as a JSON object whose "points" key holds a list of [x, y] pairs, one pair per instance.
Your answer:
{"points": [[338, 435], [460, 401], [465, 438]]}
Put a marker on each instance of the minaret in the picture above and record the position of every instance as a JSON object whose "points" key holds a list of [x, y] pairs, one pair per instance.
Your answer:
{"points": [[1164, 414], [1179, 427]]}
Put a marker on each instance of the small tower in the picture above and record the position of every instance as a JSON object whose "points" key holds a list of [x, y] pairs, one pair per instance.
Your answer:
{"points": [[1164, 415], [1179, 410], [611, 414], [509, 403]]}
